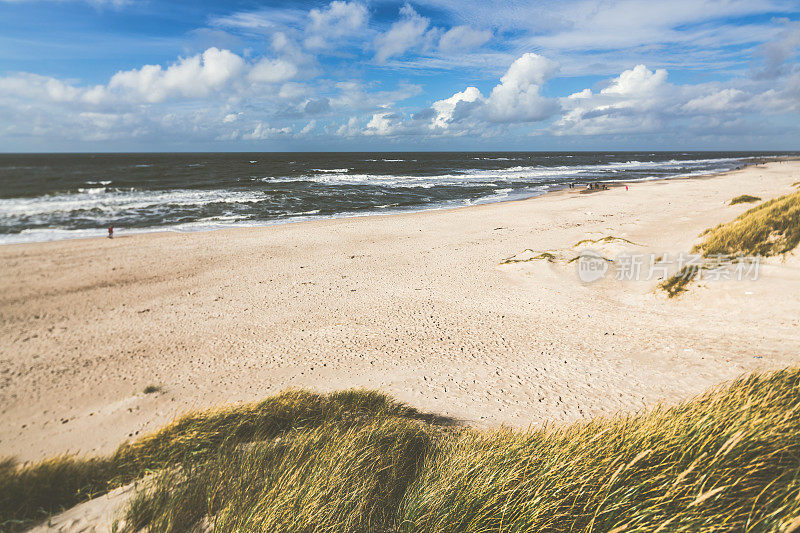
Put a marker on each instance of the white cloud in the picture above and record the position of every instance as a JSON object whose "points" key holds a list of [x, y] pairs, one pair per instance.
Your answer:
{"points": [[262, 132], [272, 71], [192, 77], [350, 129], [626, 104], [724, 100], [446, 109], [777, 54], [517, 98], [461, 39], [641, 100], [637, 82], [308, 128], [338, 20], [407, 33], [382, 124]]}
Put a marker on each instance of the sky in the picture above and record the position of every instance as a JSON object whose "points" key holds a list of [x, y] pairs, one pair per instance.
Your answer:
{"points": [[200, 75]]}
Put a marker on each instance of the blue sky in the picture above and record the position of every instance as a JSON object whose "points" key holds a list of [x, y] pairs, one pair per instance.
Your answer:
{"points": [[132, 75]]}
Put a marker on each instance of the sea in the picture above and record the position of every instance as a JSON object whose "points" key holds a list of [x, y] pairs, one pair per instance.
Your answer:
{"points": [[47, 197]]}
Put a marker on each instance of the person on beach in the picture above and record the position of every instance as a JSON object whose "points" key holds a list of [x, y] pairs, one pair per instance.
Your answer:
{"points": [[111, 232], [626, 187]]}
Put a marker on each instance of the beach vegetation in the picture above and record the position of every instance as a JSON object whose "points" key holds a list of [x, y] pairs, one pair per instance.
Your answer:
{"points": [[607, 239], [150, 389], [745, 199], [541, 256], [675, 285], [728, 460], [770, 228]]}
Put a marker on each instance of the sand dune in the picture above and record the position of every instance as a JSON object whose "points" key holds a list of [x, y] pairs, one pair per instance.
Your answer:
{"points": [[419, 305]]}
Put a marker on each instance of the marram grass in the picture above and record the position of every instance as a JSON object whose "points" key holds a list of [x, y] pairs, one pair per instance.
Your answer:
{"points": [[770, 228], [728, 460]]}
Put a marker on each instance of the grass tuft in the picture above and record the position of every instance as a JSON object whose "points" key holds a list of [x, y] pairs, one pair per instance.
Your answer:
{"points": [[679, 283], [150, 389], [546, 256], [745, 199], [609, 238]]}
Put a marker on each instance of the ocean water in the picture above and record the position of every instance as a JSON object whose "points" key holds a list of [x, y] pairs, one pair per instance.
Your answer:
{"points": [[55, 196]]}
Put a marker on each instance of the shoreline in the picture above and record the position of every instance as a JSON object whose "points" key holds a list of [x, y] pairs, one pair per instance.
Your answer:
{"points": [[415, 304], [345, 215]]}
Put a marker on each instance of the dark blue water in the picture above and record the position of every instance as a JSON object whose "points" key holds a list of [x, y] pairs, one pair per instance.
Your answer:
{"points": [[53, 196]]}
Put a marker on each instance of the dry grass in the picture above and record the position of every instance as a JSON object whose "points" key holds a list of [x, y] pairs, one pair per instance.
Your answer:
{"points": [[771, 228], [679, 283], [34, 492], [745, 199], [546, 256], [728, 460], [607, 239]]}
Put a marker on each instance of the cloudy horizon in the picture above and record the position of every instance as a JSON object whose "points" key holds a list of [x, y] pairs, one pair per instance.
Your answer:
{"points": [[431, 75]]}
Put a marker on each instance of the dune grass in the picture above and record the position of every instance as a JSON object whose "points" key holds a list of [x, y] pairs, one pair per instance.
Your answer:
{"points": [[546, 256], [771, 228], [768, 229], [607, 239], [678, 283], [728, 460], [745, 199], [35, 491]]}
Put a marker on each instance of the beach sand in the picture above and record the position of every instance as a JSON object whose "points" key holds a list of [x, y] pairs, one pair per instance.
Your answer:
{"points": [[417, 305]]}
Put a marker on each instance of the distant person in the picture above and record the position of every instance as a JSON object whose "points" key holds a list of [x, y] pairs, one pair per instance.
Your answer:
{"points": [[626, 187], [111, 232]]}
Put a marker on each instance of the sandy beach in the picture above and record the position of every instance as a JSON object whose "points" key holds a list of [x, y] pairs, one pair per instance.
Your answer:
{"points": [[418, 305]]}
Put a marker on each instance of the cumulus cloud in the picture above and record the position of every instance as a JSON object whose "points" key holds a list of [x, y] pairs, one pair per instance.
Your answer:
{"points": [[263, 132], [641, 100], [456, 107], [338, 20], [407, 33], [199, 76], [268, 70], [413, 32], [192, 77], [723, 100], [308, 128], [349, 129], [624, 105], [517, 98], [383, 124]]}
